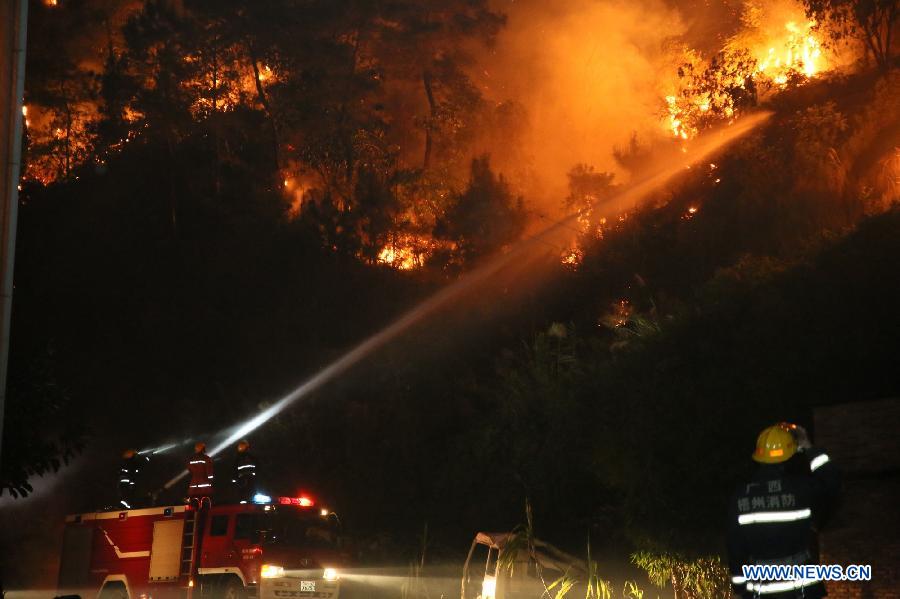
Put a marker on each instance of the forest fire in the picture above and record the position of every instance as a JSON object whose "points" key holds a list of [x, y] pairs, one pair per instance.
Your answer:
{"points": [[573, 257], [676, 118], [403, 258], [386, 237], [799, 53], [406, 252], [764, 56]]}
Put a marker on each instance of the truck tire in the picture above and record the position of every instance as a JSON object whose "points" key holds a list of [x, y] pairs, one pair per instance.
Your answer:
{"points": [[232, 588], [114, 590]]}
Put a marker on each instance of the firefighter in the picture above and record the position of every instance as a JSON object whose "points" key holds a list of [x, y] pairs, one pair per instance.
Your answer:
{"points": [[200, 467], [244, 475], [775, 515], [129, 474]]}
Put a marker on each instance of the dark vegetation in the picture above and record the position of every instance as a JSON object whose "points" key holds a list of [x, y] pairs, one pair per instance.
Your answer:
{"points": [[168, 286]]}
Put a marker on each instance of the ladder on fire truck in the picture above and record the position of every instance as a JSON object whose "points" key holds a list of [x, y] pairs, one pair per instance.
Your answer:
{"points": [[190, 544], [189, 539]]}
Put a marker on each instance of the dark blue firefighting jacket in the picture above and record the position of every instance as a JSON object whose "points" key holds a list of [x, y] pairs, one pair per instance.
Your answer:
{"points": [[773, 520], [129, 474], [244, 474]]}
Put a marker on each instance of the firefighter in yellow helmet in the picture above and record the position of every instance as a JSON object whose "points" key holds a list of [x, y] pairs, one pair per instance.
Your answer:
{"points": [[774, 516], [244, 475]]}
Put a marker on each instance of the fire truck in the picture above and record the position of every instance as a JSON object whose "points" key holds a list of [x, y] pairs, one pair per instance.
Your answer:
{"points": [[271, 547]]}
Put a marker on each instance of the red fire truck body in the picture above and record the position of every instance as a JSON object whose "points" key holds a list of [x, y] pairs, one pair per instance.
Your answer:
{"points": [[274, 549]]}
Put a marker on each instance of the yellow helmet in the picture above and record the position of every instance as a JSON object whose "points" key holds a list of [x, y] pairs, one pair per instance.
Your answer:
{"points": [[199, 446], [775, 444], [243, 446], [128, 454]]}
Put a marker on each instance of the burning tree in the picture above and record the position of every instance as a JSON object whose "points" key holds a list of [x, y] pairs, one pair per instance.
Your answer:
{"points": [[871, 21], [775, 50], [711, 92], [428, 44], [483, 218], [588, 189], [60, 104]]}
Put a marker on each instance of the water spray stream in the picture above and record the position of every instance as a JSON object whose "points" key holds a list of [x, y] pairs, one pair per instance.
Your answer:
{"points": [[164, 448], [701, 149]]}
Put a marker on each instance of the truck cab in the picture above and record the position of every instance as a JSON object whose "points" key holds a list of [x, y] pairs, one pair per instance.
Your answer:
{"points": [[282, 549]]}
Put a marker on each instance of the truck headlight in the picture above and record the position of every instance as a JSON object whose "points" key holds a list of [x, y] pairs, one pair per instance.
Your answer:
{"points": [[330, 574], [271, 571]]}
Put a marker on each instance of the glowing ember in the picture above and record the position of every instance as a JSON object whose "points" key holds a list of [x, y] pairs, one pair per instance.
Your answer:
{"points": [[573, 257], [690, 213], [621, 312], [265, 73], [132, 115]]}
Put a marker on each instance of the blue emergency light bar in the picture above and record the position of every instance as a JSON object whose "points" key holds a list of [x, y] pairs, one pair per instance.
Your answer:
{"points": [[261, 498]]}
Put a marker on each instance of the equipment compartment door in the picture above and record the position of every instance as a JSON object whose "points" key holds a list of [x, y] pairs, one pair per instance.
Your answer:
{"points": [[165, 555], [75, 563]]}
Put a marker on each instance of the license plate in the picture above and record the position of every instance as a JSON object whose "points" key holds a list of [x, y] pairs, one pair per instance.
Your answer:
{"points": [[308, 585]]}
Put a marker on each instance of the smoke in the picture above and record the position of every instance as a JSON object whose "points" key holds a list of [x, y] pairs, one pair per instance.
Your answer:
{"points": [[589, 74], [524, 252]]}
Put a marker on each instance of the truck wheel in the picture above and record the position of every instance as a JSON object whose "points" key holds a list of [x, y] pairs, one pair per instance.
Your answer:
{"points": [[114, 590], [232, 589]]}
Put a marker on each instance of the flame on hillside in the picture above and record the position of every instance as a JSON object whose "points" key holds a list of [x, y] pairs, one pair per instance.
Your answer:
{"points": [[407, 252], [798, 54], [223, 87], [765, 55]]}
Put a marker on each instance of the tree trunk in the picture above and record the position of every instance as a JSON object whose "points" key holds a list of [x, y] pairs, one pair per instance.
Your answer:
{"points": [[68, 166], [217, 165], [215, 79], [429, 93], [173, 195], [264, 100]]}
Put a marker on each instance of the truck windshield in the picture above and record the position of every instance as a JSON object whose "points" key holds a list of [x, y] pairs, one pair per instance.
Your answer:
{"points": [[294, 528]]}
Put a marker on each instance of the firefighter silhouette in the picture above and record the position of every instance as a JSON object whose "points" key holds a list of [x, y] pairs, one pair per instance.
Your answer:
{"points": [[244, 475], [129, 475]]}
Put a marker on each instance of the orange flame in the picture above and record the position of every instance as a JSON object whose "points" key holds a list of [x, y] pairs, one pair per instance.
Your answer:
{"points": [[784, 54], [798, 53]]}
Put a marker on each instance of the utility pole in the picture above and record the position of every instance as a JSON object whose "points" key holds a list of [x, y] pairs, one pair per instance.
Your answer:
{"points": [[13, 26]]}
